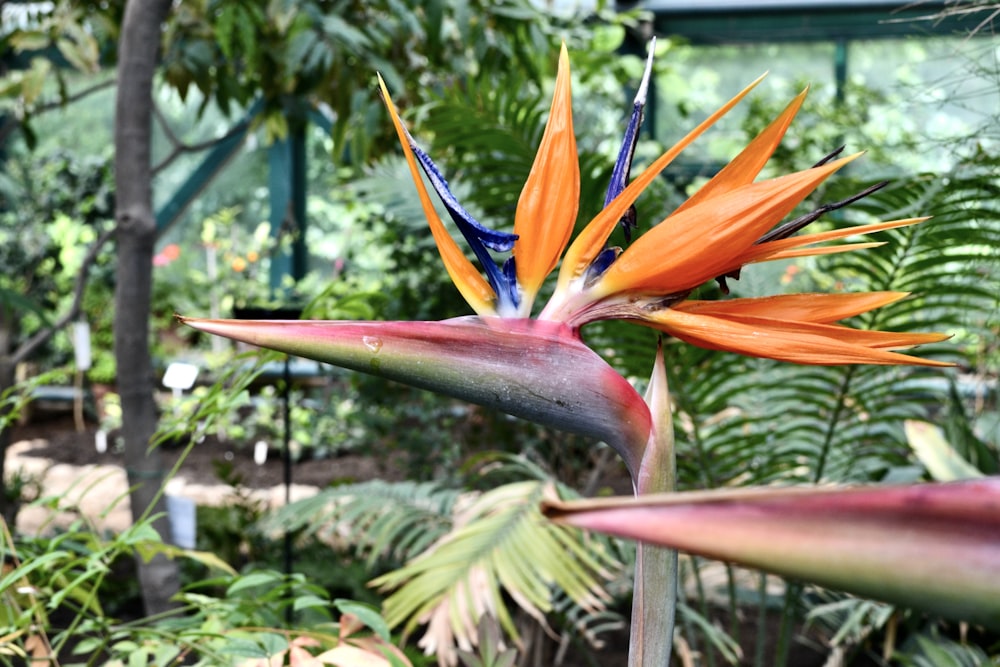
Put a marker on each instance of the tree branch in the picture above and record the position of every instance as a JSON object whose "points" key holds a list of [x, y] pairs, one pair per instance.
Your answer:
{"points": [[179, 147], [10, 123], [42, 335], [75, 97]]}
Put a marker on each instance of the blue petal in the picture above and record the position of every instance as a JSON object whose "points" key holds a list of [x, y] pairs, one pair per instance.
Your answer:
{"points": [[469, 226], [623, 165], [601, 263], [510, 273], [481, 239]]}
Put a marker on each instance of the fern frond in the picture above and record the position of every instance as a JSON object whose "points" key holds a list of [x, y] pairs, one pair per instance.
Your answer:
{"points": [[590, 625]]}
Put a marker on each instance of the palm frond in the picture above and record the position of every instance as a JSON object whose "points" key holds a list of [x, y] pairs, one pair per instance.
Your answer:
{"points": [[589, 624], [931, 650], [500, 541], [385, 520]]}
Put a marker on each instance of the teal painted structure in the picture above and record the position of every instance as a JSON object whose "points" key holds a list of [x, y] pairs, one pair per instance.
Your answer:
{"points": [[703, 22]]}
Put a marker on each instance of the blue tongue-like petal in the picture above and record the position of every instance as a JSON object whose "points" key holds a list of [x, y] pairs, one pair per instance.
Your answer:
{"points": [[469, 226], [623, 165], [481, 239]]}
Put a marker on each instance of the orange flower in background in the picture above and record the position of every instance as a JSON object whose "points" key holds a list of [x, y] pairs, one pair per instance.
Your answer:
{"points": [[238, 264], [170, 252], [789, 274]]}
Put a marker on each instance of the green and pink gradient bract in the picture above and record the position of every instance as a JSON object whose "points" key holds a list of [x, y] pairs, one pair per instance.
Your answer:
{"points": [[930, 546], [536, 370]]}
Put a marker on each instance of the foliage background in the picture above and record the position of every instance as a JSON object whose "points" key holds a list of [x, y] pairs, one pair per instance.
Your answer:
{"points": [[475, 92]]}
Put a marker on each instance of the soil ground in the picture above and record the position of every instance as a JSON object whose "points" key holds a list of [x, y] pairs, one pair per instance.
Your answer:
{"points": [[66, 461]]}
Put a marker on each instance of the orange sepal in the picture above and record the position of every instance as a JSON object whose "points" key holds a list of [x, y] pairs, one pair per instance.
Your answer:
{"points": [[546, 209], [885, 340], [822, 250], [710, 239], [780, 249], [744, 167], [591, 241], [469, 281], [819, 308], [794, 342]]}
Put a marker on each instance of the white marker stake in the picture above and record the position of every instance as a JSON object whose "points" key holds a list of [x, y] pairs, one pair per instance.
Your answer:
{"points": [[260, 452], [101, 441]]}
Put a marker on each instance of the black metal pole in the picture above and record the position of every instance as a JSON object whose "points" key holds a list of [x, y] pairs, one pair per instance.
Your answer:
{"points": [[287, 313], [287, 460]]}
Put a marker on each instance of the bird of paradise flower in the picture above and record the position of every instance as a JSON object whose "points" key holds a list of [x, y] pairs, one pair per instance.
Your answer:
{"points": [[730, 222], [540, 369]]}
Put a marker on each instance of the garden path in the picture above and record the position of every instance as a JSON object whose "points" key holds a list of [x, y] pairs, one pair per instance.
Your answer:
{"points": [[91, 484]]}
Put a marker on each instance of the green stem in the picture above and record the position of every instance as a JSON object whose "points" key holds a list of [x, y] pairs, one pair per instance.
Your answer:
{"points": [[734, 621], [654, 600], [703, 608], [654, 606], [758, 659], [788, 614]]}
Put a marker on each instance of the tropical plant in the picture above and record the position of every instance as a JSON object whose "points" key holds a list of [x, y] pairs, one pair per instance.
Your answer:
{"points": [[464, 552], [596, 283]]}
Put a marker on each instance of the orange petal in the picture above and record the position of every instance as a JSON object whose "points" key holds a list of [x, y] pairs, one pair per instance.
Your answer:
{"points": [[744, 167], [886, 340], [822, 250], [710, 239], [817, 308], [591, 241], [777, 249], [546, 209], [783, 341], [469, 281]]}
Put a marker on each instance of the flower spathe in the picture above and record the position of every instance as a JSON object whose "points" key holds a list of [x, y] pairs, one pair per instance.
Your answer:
{"points": [[932, 546], [540, 371]]}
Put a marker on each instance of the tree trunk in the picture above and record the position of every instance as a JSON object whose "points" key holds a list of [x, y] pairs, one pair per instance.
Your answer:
{"points": [[137, 57], [7, 366], [6, 382]]}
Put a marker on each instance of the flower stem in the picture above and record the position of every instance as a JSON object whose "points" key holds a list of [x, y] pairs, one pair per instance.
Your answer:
{"points": [[654, 600]]}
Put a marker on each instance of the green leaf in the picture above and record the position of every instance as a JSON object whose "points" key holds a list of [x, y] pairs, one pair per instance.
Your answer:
{"points": [[366, 614], [29, 40], [272, 642], [242, 648], [941, 460], [253, 580], [47, 560], [341, 31], [307, 601]]}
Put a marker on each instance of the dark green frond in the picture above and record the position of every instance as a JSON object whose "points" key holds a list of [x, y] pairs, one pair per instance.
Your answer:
{"points": [[383, 519]]}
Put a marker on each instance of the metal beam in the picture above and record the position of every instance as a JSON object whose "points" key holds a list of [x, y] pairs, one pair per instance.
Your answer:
{"points": [[287, 185], [216, 158], [732, 22]]}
